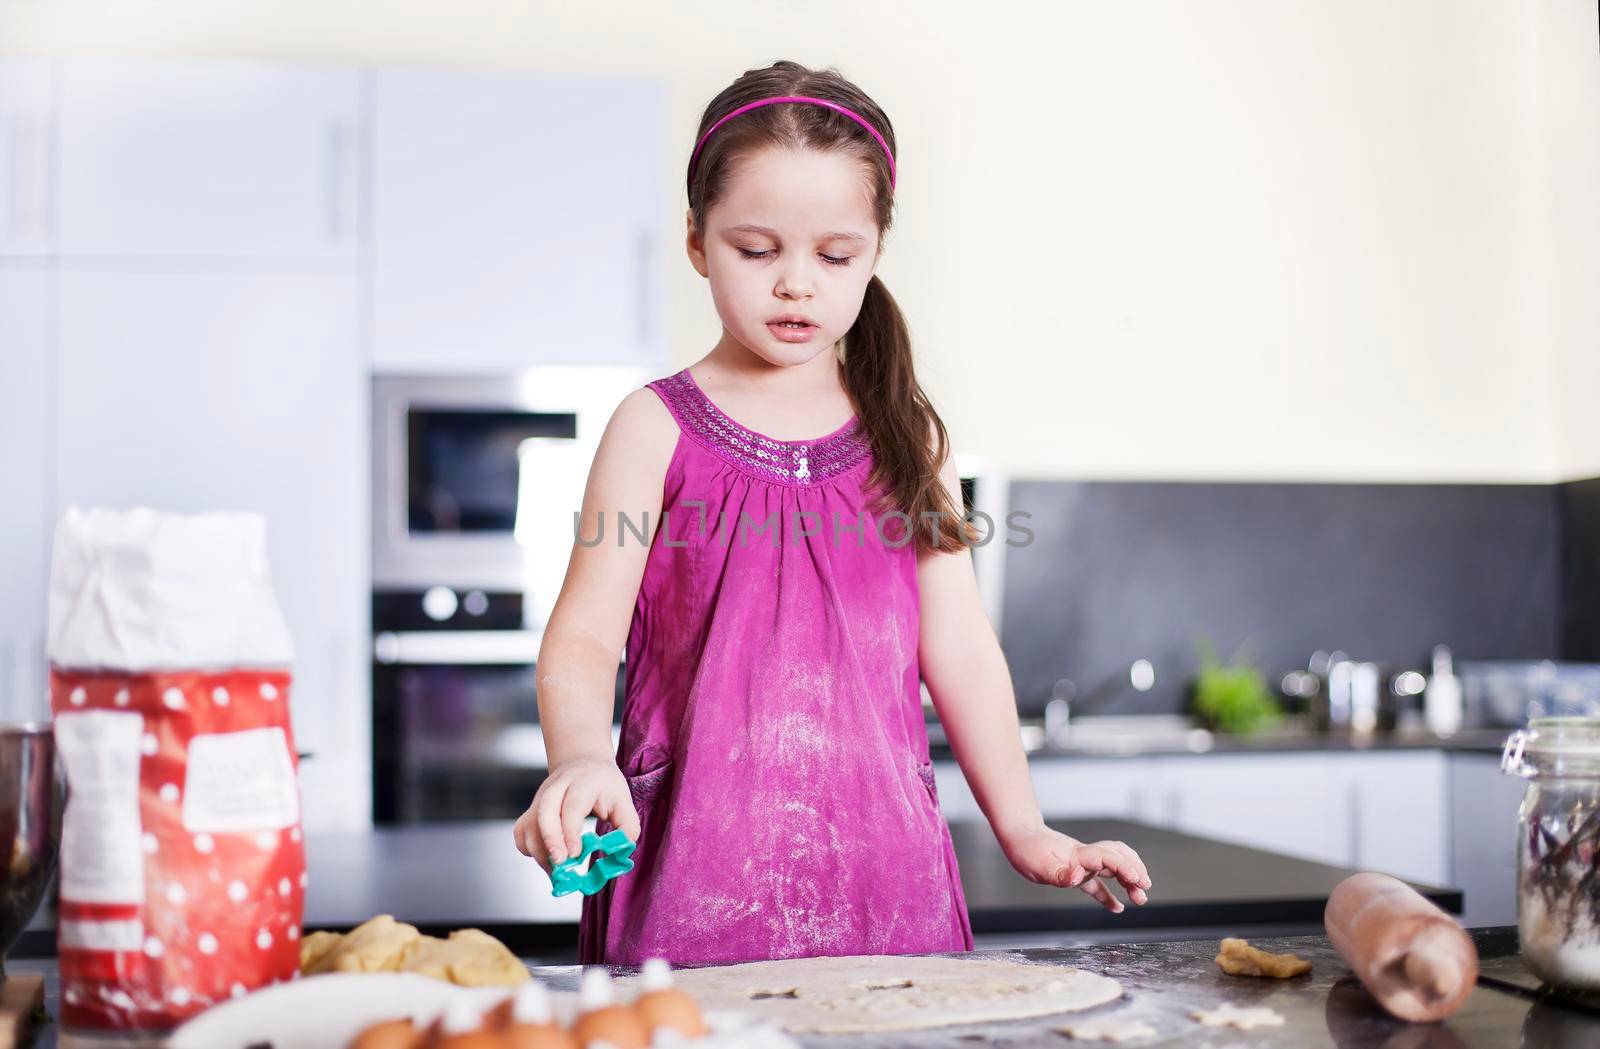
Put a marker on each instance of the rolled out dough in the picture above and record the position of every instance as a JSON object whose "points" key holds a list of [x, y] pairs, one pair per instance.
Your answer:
{"points": [[866, 994]]}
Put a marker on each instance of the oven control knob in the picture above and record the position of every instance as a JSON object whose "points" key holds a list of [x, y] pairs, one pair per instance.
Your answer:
{"points": [[439, 603]]}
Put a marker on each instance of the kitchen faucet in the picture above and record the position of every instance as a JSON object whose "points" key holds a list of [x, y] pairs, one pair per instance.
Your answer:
{"points": [[1140, 675]]}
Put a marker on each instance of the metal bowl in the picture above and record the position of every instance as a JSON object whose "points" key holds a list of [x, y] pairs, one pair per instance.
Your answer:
{"points": [[31, 803]]}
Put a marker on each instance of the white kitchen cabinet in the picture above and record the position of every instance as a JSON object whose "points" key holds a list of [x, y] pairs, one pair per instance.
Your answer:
{"points": [[210, 158], [1066, 787], [1297, 804], [27, 132], [1388, 811], [516, 221], [206, 391], [955, 797], [1401, 804], [1483, 837], [26, 302], [1086, 787]]}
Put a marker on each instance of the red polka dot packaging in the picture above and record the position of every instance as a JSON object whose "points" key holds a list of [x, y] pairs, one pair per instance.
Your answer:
{"points": [[182, 862]]}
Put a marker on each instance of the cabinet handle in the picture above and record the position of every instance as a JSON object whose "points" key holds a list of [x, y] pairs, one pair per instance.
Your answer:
{"points": [[29, 174], [336, 156], [13, 205], [642, 262], [10, 679], [1355, 825]]}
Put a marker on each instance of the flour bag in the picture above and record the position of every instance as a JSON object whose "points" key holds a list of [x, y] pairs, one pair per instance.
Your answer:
{"points": [[182, 861]]}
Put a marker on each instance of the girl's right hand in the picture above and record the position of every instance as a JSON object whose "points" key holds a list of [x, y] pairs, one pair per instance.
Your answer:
{"points": [[552, 828]]}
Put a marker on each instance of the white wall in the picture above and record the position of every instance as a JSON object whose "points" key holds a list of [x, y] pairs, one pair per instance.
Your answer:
{"points": [[1569, 59], [1242, 239]]}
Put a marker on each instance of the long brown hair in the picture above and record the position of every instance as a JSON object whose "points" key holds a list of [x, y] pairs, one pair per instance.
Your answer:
{"points": [[877, 363]]}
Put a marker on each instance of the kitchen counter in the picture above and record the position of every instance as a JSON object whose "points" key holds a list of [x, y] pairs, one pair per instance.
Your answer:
{"points": [[487, 883], [1165, 736], [447, 876], [1162, 982]]}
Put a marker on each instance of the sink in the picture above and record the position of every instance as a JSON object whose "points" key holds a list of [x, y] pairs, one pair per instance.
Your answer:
{"points": [[1108, 734], [1128, 734]]}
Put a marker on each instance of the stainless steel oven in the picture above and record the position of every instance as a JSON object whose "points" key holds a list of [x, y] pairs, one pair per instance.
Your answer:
{"points": [[455, 714], [475, 483], [986, 491], [476, 478]]}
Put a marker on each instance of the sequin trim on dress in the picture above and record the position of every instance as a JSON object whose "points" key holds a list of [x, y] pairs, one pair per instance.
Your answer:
{"points": [[789, 462]]}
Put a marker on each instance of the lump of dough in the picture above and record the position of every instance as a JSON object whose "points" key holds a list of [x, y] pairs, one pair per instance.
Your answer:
{"points": [[470, 958], [1238, 958], [1232, 1016], [315, 946], [374, 946]]}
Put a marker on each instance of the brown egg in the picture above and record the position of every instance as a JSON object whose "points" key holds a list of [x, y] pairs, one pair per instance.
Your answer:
{"points": [[391, 1034], [539, 1036], [500, 1015], [472, 1040], [616, 1024], [429, 1038], [673, 1009]]}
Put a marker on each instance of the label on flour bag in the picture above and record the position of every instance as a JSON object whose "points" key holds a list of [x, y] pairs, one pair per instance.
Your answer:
{"points": [[100, 858], [239, 781], [182, 860]]}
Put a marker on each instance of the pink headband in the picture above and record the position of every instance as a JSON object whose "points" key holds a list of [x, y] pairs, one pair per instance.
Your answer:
{"points": [[795, 98]]}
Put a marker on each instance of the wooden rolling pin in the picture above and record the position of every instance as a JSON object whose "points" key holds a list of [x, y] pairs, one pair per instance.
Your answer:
{"points": [[1416, 960]]}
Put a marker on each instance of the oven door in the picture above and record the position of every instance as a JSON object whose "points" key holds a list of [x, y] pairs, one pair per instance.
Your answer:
{"points": [[456, 725]]}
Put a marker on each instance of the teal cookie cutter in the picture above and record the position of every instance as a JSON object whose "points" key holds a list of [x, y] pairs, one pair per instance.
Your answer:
{"points": [[614, 852]]}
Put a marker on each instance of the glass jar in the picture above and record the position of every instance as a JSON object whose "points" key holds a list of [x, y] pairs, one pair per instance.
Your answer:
{"points": [[1558, 848]]}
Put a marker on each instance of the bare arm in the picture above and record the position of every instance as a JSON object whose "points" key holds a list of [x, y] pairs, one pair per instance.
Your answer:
{"points": [[967, 676], [575, 676]]}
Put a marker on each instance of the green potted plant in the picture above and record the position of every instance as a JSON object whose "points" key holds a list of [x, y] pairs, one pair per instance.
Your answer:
{"points": [[1232, 697]]}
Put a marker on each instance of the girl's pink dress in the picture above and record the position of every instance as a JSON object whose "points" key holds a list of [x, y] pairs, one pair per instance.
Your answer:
{"points": [[772, 734]]}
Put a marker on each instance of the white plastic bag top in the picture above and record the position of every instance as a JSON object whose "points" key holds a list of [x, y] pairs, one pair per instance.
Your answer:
{"points": [[141, 590]]}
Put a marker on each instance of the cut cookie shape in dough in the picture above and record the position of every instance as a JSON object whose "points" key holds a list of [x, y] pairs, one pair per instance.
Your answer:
{"points": [[866, 994], [1243, 1019], [1107, 1029]]}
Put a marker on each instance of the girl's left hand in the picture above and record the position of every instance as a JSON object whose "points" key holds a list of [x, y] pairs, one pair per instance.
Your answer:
{"points": [[1052, 858]]}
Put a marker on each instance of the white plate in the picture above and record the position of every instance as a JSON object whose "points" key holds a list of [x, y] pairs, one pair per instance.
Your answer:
{"points": [[327, 1011], [324, 1012]]}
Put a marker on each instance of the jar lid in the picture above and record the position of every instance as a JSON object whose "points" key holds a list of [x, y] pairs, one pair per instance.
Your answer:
{"points": [[1560, 745]]}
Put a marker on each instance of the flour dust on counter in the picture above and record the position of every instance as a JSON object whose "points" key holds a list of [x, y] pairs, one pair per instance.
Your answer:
{"points": [[1107, 1029]]}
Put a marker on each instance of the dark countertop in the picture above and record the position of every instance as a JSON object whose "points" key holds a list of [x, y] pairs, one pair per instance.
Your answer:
{"points": [[1163, 982], [448, 876], [486, 883], [1292, 738]]}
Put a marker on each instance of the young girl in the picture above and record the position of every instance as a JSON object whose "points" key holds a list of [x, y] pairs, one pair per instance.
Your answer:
{"points": [[802, 568]]}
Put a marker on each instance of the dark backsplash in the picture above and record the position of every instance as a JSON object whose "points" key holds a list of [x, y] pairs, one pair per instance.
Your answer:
{"points": [[1122, 571], [1580, 570]]}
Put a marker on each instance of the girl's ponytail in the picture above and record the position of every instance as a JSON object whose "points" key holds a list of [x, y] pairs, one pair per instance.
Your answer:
{"points": [[909, 440]]}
